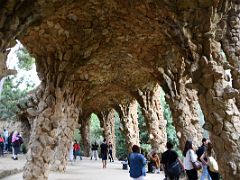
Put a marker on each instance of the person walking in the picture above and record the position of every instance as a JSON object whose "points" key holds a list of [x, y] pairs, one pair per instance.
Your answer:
{"points": [[76, 150], [104, 153], [199, 153], [208, 159], [5, 136], [110, 151], [9, 139], [1, 145], [16, 143], [189, 158], [94, 149], [137, 162], [170, 158]]}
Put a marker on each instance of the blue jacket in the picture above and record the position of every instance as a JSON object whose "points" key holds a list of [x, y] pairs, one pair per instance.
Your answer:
{"points": [[137, 164]]}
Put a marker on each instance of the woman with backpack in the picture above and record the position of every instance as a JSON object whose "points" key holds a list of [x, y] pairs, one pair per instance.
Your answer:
{"points": [[211, 162]]}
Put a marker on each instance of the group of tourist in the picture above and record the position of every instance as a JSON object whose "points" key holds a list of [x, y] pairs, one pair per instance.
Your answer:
{"points": [[202, 158], [10, 143], [106, 151]]}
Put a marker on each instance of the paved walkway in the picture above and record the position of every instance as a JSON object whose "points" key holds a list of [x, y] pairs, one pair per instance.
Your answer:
{"points": [[80, 170]]}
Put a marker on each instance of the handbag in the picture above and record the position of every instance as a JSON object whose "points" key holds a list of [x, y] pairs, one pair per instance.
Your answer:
{"points": [[213, 165], [197, 165]]}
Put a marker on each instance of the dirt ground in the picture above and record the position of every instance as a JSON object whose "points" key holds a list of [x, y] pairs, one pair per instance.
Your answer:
{"points": [[80, 170]]}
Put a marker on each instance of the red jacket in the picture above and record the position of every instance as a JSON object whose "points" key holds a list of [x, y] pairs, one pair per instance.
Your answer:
{"points": [[1, 139], [76, 147]]}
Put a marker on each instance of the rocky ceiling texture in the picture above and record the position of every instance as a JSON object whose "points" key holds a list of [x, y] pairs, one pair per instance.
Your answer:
{"points": [[91, 54]]}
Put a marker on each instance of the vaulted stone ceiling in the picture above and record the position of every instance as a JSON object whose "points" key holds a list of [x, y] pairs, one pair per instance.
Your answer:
{"points": [[99, 45]]}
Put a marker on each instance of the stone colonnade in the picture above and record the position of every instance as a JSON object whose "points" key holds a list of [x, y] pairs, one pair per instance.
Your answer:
{"points": [[203, 31]]}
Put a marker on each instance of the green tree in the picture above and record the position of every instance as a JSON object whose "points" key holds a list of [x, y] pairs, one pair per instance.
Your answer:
{"points": [[11, 93], [25, 60], [10, 96], [143, 132], [95, 130], [121, 148]]}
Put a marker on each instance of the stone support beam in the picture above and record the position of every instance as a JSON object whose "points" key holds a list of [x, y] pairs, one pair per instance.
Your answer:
{"points": [[153, 115], [185, 117], [107, 123], [217, 94], [65, 133], [44, 134], [85, 134], [129, 120]]}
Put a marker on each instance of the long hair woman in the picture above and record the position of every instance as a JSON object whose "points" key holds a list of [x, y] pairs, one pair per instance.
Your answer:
{"points": [[189, 158], [211, 162]]}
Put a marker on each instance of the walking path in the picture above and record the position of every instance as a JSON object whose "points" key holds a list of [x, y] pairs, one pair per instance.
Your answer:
{"points": [[79, 170]]}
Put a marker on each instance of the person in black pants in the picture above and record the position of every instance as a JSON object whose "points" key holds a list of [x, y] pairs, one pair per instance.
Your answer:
{"points": [[110, 149], [169, 157], [104, 152]]}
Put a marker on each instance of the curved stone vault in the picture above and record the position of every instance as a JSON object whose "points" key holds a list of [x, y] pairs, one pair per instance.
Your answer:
{"points": [[94, 55]]}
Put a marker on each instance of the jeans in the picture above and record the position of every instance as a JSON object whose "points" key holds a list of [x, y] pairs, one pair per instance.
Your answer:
{"points": [[205, 172]]}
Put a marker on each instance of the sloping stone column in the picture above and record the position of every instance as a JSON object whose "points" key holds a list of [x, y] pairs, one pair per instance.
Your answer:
{"points": [[85, 134], [222, 118], [153, 114], [231, 47], [65, 133], [44, 130], [129, 120], [217, 95], [185, 116], [107, 123]]}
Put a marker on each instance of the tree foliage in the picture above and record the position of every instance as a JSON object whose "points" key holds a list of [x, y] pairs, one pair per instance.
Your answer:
{"points": [[143, 132], [121, 148], [11, 92], [95, 129], [25, 60]]}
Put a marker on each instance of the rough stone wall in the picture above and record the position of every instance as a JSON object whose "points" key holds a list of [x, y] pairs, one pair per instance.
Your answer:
{"points": [[185, 117], [153, 114], [107, 123], [215, 90], [85, 134], [231, 47], [129, 121]]}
